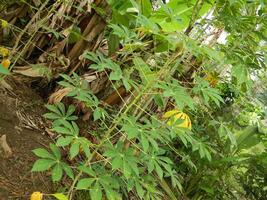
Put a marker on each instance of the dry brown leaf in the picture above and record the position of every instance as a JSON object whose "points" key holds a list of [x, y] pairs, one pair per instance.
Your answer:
{"points": [[5, 146], [28, 71], [58, 95]]}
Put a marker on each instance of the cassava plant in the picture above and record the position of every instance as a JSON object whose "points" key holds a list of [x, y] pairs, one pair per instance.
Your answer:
{"points": [[175, 132]]}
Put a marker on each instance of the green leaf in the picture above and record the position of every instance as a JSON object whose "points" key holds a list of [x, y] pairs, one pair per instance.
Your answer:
{"points": [[4, 70], [62, 130], [97, 113], [74, 149], [60, 196], [68, 170], [71, 110], [53, 108], [126, 169], [61, 107], [139, 189], [159, 100], [144, 70], [159, 171], [241, 73], [112, 195], [144, 142], [179, 93], [150, 166], [146, 7], [51, 116], [117, 162], [43, 153], [96, 192], [75, 128], [57, 173], [87, 170], [75, 35], [55, 151], [64, 141], [85, 183], [42, 165]]}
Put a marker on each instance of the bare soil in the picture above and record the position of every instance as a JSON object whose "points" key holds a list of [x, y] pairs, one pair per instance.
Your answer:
{"points": [[21, 122]]}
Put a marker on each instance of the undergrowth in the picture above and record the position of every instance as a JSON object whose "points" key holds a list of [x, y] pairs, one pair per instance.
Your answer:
{"points": [[183, 125]]}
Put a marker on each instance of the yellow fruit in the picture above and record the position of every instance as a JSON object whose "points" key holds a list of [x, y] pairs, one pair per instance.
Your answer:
{"points": [[36, 196], [174, 115], [6, 63]]}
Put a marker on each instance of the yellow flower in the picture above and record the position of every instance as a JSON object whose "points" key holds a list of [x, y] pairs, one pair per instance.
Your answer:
{"points": [[4, 52], [6, 63], [4, 23], [174, 115], [36, 196]]}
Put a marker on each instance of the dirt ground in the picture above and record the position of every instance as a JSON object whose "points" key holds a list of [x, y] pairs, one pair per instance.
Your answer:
{"points": [[21, 122]]}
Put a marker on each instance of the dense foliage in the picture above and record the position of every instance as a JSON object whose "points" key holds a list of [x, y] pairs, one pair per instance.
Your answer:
{"points": [[201, 60]]}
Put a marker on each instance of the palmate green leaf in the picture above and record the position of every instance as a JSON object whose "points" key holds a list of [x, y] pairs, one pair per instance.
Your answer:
{"points": [[74, 149], [117, 163], [174, 90], [58, 113], [202, 148], [70, 111], [224, 131], [85, 147], [112, 195], [123, 32], [68, 79], [144, 70], [116, 75], [57, 173], [55, 151], [64, 141], [75, 128], [68, 170], [42, 165], [159, 170], [144, 142], [99, 113], [87, 170], [65, 84], [126, 169], [43, 153], [85, 183], [131, 127], [60, 196], [62, 130], [128, 162], [54, 109], [61, 107], [208, 93]]}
